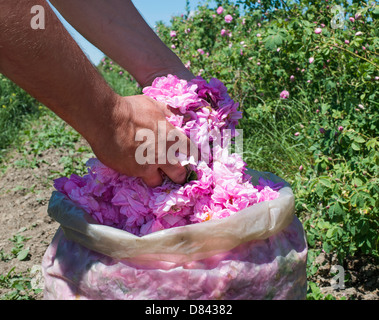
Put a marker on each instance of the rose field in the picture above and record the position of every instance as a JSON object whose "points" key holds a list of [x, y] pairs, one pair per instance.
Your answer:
{"points": [[305, 75]]}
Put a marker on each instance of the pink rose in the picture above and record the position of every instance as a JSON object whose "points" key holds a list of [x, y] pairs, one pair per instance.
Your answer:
{"points": [[284, 94], [311, 59], [228, 18], [223, 32], [318, 30], [172, 33], [220, 10]]}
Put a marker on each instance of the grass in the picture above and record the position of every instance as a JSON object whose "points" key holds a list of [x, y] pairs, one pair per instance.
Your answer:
{"points": [[19, 285], [269, 137], [17, 108]]}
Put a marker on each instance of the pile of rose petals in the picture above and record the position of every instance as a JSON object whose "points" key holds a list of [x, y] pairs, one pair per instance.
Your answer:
{"points": [[218, 187]]}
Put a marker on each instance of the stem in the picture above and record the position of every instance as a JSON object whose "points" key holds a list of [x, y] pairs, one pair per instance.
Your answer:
{"points": [[358, 56]]}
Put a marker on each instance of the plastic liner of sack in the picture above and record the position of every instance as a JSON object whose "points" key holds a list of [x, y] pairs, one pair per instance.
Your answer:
{"points": [[258, 253]]}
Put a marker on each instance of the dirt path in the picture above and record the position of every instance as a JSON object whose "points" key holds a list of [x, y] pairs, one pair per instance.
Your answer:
{"points": [[24, 195]]}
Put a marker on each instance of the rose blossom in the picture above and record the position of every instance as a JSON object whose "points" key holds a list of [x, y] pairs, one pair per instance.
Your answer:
{"points": [[228, 18], [284, 94], [318, 30], [220, 10]]}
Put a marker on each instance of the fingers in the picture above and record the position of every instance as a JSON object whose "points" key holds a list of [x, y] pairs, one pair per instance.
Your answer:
{"points": [[177, 143], [179, 149], [153, 179], [171, 146], [177, 173], [166, 109]]}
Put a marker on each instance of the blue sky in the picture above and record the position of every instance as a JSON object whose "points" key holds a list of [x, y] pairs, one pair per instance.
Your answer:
{"points": [[151, 10]]}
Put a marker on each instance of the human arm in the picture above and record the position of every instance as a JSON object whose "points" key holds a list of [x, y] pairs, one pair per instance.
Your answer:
{"points": [[49, 65], [117, 28]]}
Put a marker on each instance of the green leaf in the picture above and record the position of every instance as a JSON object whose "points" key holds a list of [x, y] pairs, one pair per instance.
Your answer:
{"points": [[357, 181], [330, 85], [273, 41], [323, 224], [355, 146], [22, 255], [327, 247], [337, 209], [331, 232], [359, 139], [372, 143], [324, 108], [353, 200], [326, 182]]}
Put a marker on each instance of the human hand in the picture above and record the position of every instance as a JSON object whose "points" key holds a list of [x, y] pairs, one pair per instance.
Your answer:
{"points": [[116, 145]]}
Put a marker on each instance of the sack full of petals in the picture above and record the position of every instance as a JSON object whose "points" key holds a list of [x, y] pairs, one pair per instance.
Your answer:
{"points": [[228, 233]]}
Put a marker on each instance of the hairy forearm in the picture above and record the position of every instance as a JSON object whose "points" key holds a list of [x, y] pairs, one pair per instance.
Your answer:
{"points": [[49, 65], [116, 28]]}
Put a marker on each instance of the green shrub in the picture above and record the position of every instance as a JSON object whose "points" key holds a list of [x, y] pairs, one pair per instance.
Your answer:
{"points": [[15, 107]]}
